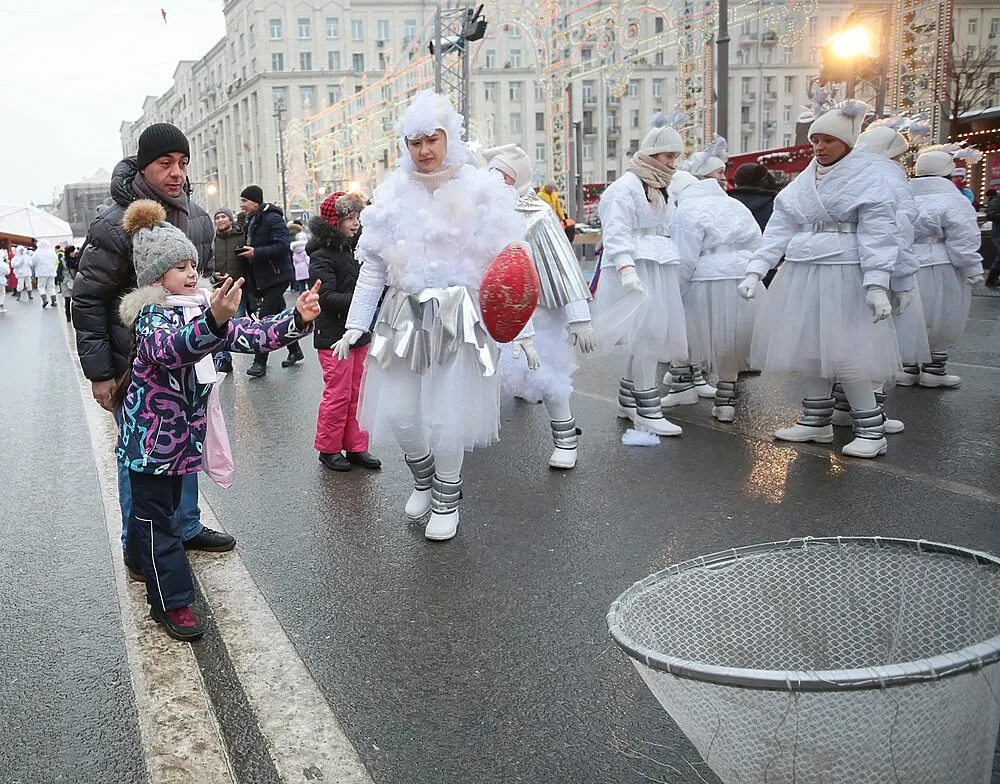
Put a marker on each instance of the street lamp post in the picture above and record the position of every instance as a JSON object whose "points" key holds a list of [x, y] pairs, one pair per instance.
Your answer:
{"points": [[279, 111], [722, 91]]}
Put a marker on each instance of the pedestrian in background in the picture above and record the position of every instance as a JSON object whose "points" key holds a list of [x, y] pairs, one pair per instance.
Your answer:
{"points": [[993, 216], [23, 269], [46, 265], [549, 195], [67, 272], [756, 189], [228, 238], [300, 256], [4, 272], [332, 263]]}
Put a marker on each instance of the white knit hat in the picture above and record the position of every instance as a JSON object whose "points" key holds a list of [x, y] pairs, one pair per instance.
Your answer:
{"points": [[935, 163], [662, 137], [842, 123], [883, 140], [512, 161], [680, 182], [712, 158]]}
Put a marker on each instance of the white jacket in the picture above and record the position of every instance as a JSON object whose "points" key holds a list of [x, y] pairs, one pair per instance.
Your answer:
{"points": [[45, 260], [907, 262], [21, 263], [847, 194], [4, 269], [632, 229], [946, 231], [715, 234], [415, 239]]}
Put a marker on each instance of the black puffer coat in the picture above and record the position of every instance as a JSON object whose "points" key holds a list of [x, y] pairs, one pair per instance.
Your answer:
{"points": [[759, 201], [331, 261], [106, 273], [267, 234]]}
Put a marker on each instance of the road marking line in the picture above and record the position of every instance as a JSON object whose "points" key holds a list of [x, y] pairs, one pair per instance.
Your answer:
{"points": [[181, 741]]}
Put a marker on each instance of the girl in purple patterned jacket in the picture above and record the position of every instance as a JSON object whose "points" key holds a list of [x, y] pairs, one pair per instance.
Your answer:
{"points": [[178, 326]]}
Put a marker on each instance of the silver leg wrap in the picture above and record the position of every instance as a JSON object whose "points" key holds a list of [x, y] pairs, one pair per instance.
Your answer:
{"points": [[626, 393], [681, 377], [869, 424], [913, 370], [445, 495], [880, 398], [647, 403], [725, 393], [565, 433], [840, 397], [817, 411], [936, 367], [698, 375], [422, 469]]}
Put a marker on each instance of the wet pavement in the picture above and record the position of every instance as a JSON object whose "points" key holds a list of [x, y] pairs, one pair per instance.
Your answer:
{"points": [[483, 659]]}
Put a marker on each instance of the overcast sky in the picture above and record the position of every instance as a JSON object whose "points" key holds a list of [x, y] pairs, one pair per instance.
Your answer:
{"points": [[72, 70]]}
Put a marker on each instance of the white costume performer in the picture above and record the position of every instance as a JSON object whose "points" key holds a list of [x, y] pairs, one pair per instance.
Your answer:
{"points": [[46, 263], [23, 269], [716, 237], [562, 315], [431, 378], [947, 244], [827, 312], [4, 272], [640, 307]]}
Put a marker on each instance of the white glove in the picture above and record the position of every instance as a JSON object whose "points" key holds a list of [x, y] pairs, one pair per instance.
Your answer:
{"points": [[878, 301], [343, 346], [527, 345], [972, 280], [748, 286], [630, 281], [903, 300], [583, 336]]}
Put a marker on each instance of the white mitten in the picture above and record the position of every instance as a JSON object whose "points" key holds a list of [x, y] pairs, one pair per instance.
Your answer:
{"points": [[903, 300], [748, 287], [878, 301], [343, 346], [527, 345], [630, 281], [972, 280], [583, 336]]}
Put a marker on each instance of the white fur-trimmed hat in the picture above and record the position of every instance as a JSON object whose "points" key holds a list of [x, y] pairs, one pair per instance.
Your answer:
{"points": [[429, 112], [883, 140], [512, 161], [842, 123]]}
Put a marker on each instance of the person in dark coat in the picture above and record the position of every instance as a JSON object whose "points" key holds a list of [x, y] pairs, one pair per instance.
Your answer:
{"points": [[993, 216], [756, 189], [332, 263], [228, 237], [267, 252], [158, 171]]}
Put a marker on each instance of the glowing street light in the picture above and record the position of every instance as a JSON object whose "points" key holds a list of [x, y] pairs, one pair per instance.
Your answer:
{"points": [[852, 43], [849, 54], [354, 187]]}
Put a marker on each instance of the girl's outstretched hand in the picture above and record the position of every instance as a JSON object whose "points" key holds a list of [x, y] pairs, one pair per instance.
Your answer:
{"points": [[226, 300], [308, 304]]}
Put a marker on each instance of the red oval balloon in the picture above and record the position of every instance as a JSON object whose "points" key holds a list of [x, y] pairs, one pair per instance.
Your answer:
{"points": [[509, 293]]}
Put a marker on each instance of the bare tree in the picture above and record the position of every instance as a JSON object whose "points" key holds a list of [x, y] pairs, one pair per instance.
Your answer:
{"points": [[969, 84]]}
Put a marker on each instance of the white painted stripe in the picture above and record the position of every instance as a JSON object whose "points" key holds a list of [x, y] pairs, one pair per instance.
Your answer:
{"points": [[181, 742]]}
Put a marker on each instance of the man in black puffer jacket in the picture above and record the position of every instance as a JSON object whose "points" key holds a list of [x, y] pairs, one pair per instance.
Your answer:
{"points": [[271, 272], [106, 272]]}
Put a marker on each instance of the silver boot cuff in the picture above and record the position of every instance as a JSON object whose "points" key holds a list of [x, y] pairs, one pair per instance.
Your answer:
{"points": [[647, 403], [681, 377], [422, 469], [445, 495], [817, 411], [936, 367], [565, 433], [840, 397], [869, 424], [626, 393], [726, 393]]}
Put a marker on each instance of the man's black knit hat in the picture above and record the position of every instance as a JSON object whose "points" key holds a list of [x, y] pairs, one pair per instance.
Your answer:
{"points": [[253, 193], [160, 139]]}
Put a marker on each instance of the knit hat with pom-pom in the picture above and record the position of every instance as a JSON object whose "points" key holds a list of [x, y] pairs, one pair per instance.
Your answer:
{"points": [[662, 137], [935, 162], [883, 140], [842, 123], [156, 245]]}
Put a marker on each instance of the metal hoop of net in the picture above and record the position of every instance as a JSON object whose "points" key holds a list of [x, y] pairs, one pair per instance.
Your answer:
{"points": [[825, 661]]}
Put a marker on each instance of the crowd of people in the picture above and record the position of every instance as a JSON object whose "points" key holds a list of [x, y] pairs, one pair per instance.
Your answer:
{"points": [[47, 268], [871, 279]]}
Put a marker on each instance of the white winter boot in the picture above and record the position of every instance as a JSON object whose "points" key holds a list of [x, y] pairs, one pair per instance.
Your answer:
{"points": [[934, 375], [566, 437], [815, 424], [443, 524], [701, 385], [680, 382], [649, 414], [724, 406], [626, 399], [869, 434], [418, 505], [909, 377]]}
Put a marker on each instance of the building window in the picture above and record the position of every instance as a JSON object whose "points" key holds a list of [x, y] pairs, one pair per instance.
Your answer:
{"points": [[612, 148], [973, 25], [789, 84], [657, 88], [765, 57], [633, 146], [333, 61], [588, 92], [786, 140], [307, 95], [766, 114], [275, 27], [588, 151], [789, 54], [658, 25], [970, 52], [332, 27], [658, 58], [333, 94], [812, 25], [994, 27], [305, 28], [633, 118], [277, 61], [383, 30], [611, 175], [741, 57], [515, 58], [357, 30], [382, 62], [540, 152], [515, 31], [586, 54], [409, 30], [786, 114], [491, 58], [358, 63], [539, 121], [539, 93], [633, 88], [514, 92], [491, 91], [515, 122], [277, 97], [766, 142], [834, 23], [305, 61], [745, 141]]}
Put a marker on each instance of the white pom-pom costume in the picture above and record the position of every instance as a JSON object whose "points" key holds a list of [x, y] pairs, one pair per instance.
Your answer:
{"points": [[562, 307], [431, 378]]}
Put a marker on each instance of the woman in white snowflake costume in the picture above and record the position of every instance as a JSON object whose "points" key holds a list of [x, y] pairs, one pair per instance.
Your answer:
{"points": [[431, 379], [638, 302], [826, 316], [716, 236], [562, 316]]}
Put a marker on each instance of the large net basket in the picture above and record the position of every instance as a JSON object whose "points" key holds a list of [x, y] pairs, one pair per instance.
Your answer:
{"points": [[826, 661]]}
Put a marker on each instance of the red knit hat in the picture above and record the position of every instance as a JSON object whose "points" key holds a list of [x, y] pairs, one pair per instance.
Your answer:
{"points": [[328, 209]]}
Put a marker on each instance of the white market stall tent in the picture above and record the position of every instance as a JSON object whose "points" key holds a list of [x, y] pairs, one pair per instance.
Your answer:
{"points": [[31, 222]]}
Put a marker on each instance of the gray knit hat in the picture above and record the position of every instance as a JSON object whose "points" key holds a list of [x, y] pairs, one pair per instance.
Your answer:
{"points": [[156, 245]]}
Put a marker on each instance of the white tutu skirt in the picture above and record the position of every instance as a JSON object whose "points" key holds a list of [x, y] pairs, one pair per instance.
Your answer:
{"points": [[817, 323], [911, 332], [554, 379], [946, 298], [720, 325], [650, 325]]}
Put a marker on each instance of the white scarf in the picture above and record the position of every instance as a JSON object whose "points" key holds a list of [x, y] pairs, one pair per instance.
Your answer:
{"points": [[193, 307]]}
